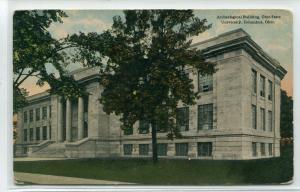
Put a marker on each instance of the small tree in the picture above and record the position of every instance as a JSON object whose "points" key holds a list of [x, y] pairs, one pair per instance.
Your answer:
{"points": [[286, 115], [146, 55]]}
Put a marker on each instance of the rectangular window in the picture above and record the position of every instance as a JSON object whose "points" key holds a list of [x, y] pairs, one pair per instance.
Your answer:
{"points": [[262, 86], [128, 131], [127, 149], [44, 132], [205, 83], [50, 111], [37, 114], [182, 118], [270, 121], [254, 81], [205, 149], [270, 95], [51, 131], [162, 149], [44, 113], [181, 149], [31, 115], [254, 122], [144, 149], [37, 133], [254, 149], [144, 127], [262, 149], [161, 126], [270, 149], [262, 119], [205, 117], [25, 117], [31, 134], [25, 135]]}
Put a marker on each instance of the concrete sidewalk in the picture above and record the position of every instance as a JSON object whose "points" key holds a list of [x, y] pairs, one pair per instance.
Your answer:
{"points": [[38, 159], [33, 178]]}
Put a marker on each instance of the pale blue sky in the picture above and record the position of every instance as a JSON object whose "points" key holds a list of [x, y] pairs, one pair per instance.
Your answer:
{"points": [[275, 39]]}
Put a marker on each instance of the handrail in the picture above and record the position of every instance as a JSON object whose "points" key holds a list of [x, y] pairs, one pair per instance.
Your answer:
{"points": [[80, 142]]}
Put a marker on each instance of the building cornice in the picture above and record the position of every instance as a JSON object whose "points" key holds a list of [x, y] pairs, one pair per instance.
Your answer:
{"points": [[244, 42]]}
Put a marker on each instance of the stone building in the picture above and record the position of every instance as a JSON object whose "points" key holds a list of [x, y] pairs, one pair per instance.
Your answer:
{"points": [[237, 116]]}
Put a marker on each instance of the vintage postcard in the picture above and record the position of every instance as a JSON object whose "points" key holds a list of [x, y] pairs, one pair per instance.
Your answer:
{"points": [[153, 97]]}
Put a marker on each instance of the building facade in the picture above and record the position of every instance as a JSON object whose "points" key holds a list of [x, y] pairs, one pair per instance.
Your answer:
{"points": [[236, 117]]}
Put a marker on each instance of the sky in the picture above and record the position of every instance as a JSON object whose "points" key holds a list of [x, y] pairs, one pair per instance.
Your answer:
{"points": [[276, 37]]}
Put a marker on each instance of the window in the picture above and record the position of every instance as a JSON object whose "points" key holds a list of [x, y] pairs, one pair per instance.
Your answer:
{"points": [[262, 149], [44, 132], [205, 149], [127, 149], [270, 149], [182, 118], [144, 127], [25, 117], [37, 133], [262, 86], [181, 149], [254, 149], [128, 131], [31, 134], [270, 95], [262, 119], [50, 131], [161, 126], [162, 149], [254, 122], [25, 135], [144, 149], [205, 116], [254, 81], [205, 83], [270, 120], [44, 113], [37, 114], [50, 111], [31, 115]]}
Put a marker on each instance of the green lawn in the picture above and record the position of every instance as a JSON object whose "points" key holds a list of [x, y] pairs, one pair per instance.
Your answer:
{"points": [[171, 172]]}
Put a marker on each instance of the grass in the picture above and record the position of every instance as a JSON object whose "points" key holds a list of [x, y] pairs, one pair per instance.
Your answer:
{"points": [[171, 172]]}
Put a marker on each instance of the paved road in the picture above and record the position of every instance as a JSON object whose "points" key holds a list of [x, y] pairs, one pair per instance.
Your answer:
{"points": [[33, 178]]}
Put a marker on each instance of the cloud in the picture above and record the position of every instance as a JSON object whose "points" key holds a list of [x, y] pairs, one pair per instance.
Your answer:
{"points": [[71, 25]]}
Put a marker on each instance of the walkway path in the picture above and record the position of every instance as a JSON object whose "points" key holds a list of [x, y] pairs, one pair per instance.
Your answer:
{"points": [[38, 159], [33, 178]]}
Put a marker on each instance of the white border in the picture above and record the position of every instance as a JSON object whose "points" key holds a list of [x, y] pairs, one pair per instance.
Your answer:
{"points": [[6, 11]]}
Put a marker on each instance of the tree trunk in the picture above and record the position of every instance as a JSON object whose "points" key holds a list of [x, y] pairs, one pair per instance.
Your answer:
{"points": [[154, 144]]}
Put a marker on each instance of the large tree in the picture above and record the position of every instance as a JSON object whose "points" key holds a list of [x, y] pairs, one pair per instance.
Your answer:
{"points": [[286, 115], [35, 51], [143, 60]]}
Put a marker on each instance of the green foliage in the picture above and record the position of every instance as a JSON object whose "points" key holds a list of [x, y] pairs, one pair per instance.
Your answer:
{"points": [[19, 98], [286, 115], [34, 48], [143, 59]]}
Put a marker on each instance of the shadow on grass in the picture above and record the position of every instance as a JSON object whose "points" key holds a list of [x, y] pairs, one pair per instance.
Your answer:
{"points": [[171, 172]]}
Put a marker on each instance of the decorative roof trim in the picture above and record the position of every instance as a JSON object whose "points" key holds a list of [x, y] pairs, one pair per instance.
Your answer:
{"points": [[250, 47]]}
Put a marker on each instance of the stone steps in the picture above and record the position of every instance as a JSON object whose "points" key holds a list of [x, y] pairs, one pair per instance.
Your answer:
{"points": [[52, 150]]}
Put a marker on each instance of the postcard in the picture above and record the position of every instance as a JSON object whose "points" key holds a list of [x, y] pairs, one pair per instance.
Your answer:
{"points": [[153, 97]]}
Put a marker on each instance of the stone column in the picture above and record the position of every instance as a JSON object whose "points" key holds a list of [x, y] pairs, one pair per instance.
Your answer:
{"points": [[80, 118], [68, 120], [60, 121]]}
